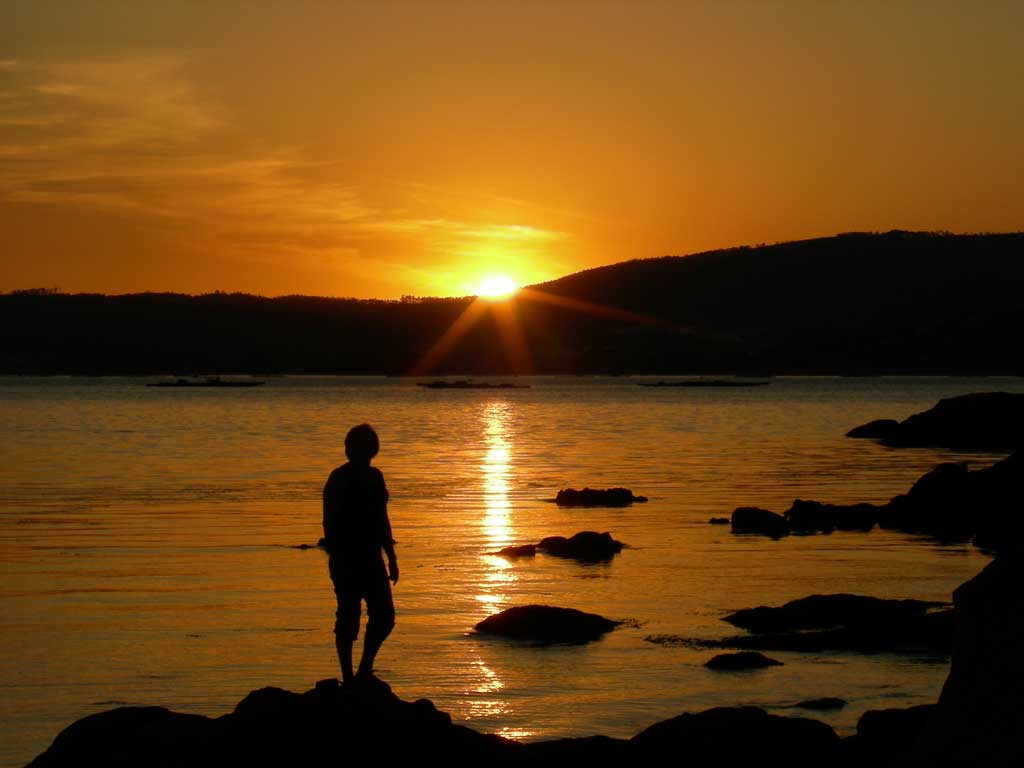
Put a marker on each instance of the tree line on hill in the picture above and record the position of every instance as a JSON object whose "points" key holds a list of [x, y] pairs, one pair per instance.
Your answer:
{"points": [[857, 303]]}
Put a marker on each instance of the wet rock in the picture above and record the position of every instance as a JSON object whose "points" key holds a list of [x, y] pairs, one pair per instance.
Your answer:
{"points": [[738, 736], [547, 624], [525, 550], [877, 429], [740, 661], [594, 497], [719, 521], [810, 516], [757, 520], [824, 704], [825, 611], [589, 546]]}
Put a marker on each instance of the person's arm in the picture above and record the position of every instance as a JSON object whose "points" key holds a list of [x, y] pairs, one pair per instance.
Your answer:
{"points": [[386, 536]]}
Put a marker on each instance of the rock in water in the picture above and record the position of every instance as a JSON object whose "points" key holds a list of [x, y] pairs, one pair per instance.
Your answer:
{"points": [[547, 624], [742, 660], [585, 545], [595, 497], [524, 550], [757, 520], [990, 421], [877, 429], [824, 611]]}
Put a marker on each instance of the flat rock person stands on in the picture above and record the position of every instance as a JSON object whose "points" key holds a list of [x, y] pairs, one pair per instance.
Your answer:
{"points": [[356, 529]]}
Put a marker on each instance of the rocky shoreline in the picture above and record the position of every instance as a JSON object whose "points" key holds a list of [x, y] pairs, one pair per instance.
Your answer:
{"points": [[977, 720]]}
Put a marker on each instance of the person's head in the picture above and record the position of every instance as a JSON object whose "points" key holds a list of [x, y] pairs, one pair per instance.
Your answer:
{"points": [[361, 444]]}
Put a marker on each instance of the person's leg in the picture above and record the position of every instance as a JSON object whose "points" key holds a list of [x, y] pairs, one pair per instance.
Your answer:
{"points": [[346, 619], [380, 612]]}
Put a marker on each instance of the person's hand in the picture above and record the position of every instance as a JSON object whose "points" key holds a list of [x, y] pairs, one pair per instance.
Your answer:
{"points": [[393, 571]]}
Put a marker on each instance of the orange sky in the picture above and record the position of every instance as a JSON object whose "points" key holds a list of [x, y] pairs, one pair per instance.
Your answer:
{"points": [[383, 148]]}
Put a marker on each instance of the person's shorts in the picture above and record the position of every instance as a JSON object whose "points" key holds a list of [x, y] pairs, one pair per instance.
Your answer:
{"points": [[369, 582]]}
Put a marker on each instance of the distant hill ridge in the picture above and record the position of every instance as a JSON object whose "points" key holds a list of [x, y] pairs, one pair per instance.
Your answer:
{"points": [[852, 303]]}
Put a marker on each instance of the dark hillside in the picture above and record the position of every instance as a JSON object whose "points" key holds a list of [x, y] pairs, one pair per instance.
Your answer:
{"points": [[854, 303]]}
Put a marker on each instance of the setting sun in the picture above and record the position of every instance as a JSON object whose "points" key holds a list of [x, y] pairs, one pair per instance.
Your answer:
{"points": [[496, 287]]}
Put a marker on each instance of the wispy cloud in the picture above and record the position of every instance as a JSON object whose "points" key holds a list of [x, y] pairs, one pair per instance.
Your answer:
{"points": [[134, 136]]}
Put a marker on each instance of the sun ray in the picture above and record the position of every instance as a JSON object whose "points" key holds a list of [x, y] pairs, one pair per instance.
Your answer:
{"points": [[506, 317], [469, 317]]}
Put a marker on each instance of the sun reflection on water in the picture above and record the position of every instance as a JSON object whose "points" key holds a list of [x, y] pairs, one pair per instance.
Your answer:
{"points": [[496, 470]]}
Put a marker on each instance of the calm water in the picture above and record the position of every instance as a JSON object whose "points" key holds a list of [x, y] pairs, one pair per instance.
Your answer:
{"points": [[146, 534]]}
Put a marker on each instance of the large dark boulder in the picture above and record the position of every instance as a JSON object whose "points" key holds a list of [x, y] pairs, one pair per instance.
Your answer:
{"points": [[988, 421], [596, 497], [272, 727], [547, 624], [757, 520], [588, 546], [738, 736], [952, 503], [886, 736], [979, 718]]}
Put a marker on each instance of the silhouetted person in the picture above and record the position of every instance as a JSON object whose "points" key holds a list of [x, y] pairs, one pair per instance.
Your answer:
{"points": [[356, 529]]}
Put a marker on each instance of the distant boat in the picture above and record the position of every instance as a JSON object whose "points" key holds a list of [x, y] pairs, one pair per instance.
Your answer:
{"points": [[466, 384], [703, 383], [208, 381]]}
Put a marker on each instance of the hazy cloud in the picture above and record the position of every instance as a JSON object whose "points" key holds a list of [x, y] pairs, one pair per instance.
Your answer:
{"points": [[134, 136]]}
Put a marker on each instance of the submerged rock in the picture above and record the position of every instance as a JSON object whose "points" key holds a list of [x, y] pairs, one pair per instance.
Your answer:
{"points": [[586, 545], [594, 497], [719, 521], [757, 520], [547, 624], [741, 660]]}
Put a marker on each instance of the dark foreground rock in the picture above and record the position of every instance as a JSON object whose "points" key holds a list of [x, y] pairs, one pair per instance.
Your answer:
{"points": [[595, 497], [738, 736], [889, 735], [730, 662], [547, 624], [979, 718], [270, 727], [330, 725], [989, 421]]}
